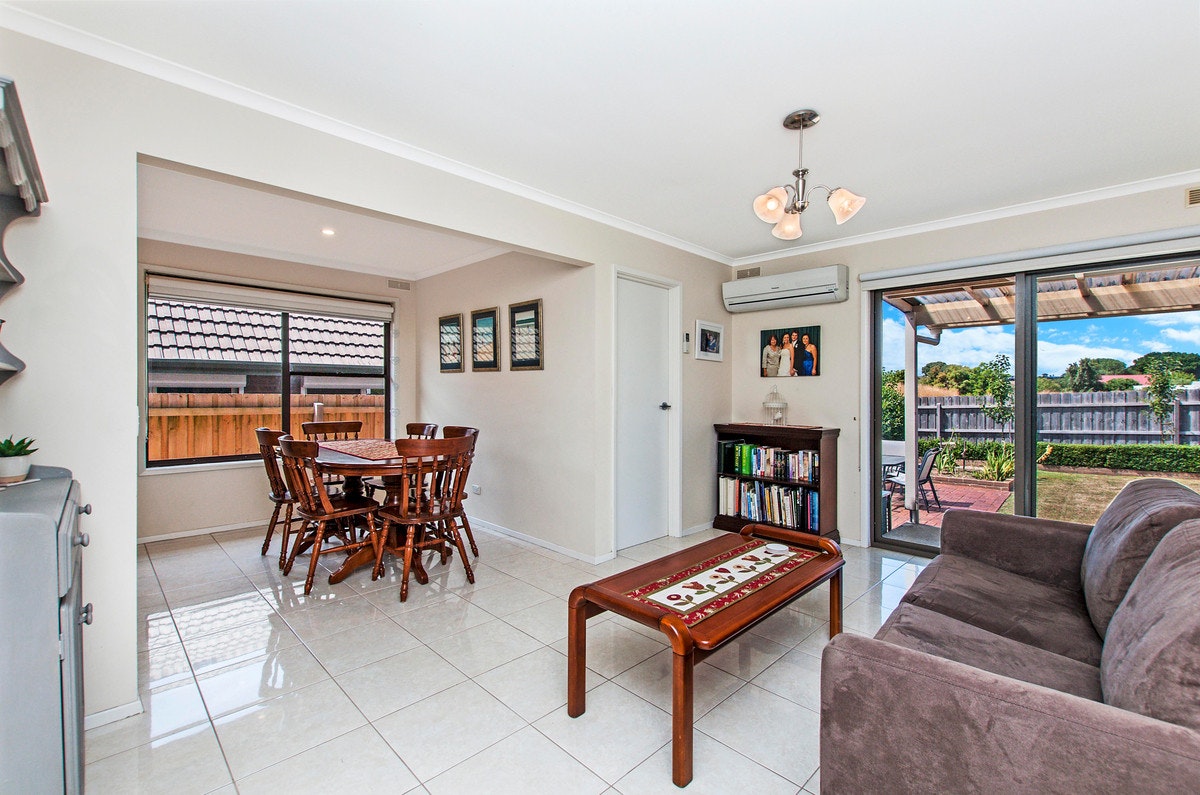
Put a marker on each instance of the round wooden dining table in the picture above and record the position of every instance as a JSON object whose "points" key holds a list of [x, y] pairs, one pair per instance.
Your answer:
{"points": [[355, 459]]}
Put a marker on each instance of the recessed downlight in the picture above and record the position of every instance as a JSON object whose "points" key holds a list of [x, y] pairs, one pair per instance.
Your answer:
{"points": [[328, 232]]}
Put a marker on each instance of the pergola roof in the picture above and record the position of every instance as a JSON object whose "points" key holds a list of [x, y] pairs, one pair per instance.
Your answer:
{"points": [[1131, 290]]}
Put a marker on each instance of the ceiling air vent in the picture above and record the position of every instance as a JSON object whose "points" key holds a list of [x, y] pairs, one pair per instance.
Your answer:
{"points": [[1193, 197], [746, 273], [396, 284]]}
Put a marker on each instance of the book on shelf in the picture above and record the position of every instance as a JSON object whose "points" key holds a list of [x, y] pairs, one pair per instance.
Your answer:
{"points": [[794, 507], [736, 457]]}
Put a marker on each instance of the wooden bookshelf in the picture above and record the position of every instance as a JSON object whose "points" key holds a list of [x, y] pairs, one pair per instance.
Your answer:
{"points": [[766, 485]]}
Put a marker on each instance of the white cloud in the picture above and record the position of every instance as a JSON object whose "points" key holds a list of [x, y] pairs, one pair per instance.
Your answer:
{"points": [[1173, 319], [1190, 335]]}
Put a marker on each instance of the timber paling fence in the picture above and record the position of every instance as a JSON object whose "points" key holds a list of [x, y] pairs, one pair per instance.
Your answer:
{"points": [[183, 425], [1067, 418]]}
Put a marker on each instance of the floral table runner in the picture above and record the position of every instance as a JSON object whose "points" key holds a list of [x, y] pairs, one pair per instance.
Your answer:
{"points": [[701, 590], [370, 449]]}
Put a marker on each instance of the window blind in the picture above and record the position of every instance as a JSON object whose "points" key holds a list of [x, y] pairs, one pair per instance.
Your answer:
{"points": [[223, 294]]}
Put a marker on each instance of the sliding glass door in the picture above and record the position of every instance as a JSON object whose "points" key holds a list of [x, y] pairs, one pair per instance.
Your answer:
{"points": [[1041, 393]]}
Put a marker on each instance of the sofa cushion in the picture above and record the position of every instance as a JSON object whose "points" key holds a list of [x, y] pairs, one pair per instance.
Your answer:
{"points": [[1151, 661], [1125, 535], [934, 633], [1007, 604]]}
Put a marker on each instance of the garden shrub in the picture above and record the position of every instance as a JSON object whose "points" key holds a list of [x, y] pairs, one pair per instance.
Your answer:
{"points": [[1142, 457]]}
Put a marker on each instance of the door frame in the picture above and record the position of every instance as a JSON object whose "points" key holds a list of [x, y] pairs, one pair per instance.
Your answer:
{"points": [[674, 344]]}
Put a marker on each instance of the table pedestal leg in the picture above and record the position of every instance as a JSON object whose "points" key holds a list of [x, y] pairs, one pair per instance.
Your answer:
{"points": [[835, 604], [684, 666]]}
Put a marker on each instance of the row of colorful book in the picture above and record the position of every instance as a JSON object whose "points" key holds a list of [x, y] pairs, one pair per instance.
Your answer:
{"points": [[776, 463], [789, 506]]}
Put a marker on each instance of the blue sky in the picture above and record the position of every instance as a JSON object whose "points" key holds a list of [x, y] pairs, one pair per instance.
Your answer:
{"points": [[1059, 344]]}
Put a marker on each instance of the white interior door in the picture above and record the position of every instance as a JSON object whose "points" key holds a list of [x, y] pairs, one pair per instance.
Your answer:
{"points": [[642, 423]]}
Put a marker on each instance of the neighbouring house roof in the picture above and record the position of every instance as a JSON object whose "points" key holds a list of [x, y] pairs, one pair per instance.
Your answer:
{"points": [[179, 331], [1129, 290], [1144, 380]]}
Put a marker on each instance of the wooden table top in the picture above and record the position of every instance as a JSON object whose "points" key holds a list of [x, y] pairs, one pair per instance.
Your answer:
{"points": [[712, 631]]}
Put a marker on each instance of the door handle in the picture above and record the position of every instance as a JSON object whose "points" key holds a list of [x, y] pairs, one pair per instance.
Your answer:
{"points": [[664, 405]]}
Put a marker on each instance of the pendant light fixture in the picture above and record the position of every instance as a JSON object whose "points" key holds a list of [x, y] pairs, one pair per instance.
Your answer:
{"points": [[782, 205]]}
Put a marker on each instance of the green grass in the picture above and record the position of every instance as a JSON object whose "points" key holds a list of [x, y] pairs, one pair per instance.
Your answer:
{"points": [[1080, 497]]}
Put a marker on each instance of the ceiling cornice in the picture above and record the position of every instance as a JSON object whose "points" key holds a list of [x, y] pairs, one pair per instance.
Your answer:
{"points": [[52, 32]]}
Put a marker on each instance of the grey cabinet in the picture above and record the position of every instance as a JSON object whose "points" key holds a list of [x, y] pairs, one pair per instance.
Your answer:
{"points": [[41, 627]]}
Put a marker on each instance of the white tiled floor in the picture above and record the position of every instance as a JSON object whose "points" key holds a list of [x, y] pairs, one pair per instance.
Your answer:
{"points": [[250, 686]]}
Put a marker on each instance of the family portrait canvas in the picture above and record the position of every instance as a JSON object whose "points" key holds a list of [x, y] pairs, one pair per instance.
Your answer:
{"points": [[790, 351]]}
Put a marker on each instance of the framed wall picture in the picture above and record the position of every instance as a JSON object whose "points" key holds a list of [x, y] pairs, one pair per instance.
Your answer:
{"points": [[790, 351], [450, 343], [525, 335], [710, 341], [485, 327]]}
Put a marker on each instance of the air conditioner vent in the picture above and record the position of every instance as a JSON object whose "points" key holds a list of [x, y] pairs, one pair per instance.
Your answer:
{"points": [[396, 284], [746, 273], [1193, 197]]}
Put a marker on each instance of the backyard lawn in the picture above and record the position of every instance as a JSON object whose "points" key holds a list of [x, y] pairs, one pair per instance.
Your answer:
{"points": [[1082, 497]]}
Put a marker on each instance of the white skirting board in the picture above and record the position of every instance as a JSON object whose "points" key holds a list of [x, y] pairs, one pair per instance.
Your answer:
{"points": [[105, 717]]}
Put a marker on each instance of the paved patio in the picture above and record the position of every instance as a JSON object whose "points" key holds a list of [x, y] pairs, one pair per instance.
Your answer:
{"points": [[963, 496], [953, 496]]}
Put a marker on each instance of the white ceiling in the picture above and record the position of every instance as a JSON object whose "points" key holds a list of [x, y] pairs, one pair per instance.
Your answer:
{"points": [[663, 116]]}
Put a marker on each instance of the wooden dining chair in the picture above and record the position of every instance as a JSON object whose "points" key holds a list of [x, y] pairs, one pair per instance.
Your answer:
{"points": [[323, 514], [455, 432], [268, 448], [421, 430], [435, 471], [334, 431]]}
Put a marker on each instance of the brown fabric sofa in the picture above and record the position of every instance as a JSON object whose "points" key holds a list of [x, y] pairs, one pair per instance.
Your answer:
{"points": [[1031, 656]]}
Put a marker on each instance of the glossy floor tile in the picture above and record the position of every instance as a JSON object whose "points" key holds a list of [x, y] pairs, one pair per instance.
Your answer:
{"points": [[249, 685]]}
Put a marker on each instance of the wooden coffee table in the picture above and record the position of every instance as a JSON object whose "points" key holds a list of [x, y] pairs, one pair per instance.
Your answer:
{"points": [[715, 591]]}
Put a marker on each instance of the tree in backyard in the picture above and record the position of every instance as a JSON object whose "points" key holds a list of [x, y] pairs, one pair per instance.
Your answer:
{"points": [[1121, 384], [893, 404], [1081, 376], [947, 376], [1106, 366], [1185, 362], [991, 380], [1046, 383], [1160, 395]]}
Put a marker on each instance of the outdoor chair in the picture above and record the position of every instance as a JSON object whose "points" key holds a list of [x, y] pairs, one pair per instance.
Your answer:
{"points": [[924, 478]]}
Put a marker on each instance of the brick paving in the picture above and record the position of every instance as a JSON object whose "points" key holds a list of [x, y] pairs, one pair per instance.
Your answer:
{"points": [[953, 495]]}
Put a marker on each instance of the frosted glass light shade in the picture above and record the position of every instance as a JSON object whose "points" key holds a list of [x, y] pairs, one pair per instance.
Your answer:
{"points": [[845, 204], [788, 227], [769, 206]]}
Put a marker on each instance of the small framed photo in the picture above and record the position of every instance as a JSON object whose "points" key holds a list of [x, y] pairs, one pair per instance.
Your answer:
{"points": [[790, 351], [710, 341], [450, 343], [485, 356], [525, 335]]}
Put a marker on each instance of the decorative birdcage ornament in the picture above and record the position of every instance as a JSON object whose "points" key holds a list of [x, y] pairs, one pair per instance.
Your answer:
{"points": [[775, 408]]}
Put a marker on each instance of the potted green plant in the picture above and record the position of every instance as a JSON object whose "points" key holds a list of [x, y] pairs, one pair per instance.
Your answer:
{"points": [[14, 459]]}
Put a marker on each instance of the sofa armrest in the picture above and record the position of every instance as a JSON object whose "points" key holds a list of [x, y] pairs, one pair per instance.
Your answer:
{"points": [[901, 721], [1042, 549]]}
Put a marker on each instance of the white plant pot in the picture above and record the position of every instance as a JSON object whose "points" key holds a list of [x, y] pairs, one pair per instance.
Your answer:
{"points": [[14, 468]]}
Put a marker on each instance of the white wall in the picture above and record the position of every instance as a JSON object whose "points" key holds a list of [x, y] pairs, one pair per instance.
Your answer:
{"points": [[75, 321], [833, 399]]}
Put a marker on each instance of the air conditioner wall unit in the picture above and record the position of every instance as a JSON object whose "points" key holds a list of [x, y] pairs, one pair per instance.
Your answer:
{"points": [[825, 285]]}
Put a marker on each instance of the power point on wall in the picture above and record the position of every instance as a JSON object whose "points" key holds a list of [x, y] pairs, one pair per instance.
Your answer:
{"points": [[477, 489]]}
